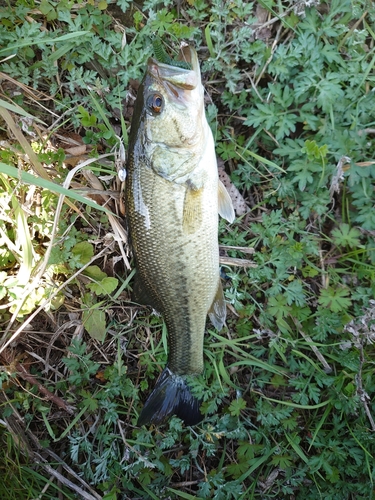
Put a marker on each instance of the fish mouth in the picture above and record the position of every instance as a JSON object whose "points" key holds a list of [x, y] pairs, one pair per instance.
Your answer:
{"points": [[186, 79]]}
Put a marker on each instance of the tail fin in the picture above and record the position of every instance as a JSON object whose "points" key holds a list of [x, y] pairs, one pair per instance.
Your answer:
{"points": [[171, 396]]}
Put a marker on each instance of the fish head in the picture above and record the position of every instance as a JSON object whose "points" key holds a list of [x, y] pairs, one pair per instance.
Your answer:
{"points": [[174, 123]]}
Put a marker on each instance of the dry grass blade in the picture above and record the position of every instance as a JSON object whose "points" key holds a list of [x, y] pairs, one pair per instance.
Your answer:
{"points": [[6, 343], [318, 354], [63, 480], [42, 266], [232, 261], [71, 472], [118, 229], [18, 110], [33, 95], [37, 166], [248, 250], [27, 442]]}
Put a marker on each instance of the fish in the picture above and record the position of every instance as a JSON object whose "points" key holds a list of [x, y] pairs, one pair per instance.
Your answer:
{"points": [[172, 199]]}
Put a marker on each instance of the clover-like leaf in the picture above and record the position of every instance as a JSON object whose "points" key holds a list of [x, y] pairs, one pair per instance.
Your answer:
{"points": [[94, 321], [82, 253], [335, 299], [236, 406], [95, 273], [346, 236], [104, 287]]}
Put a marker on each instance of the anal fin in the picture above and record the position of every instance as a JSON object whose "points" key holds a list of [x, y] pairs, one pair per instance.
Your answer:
{"points": [[218, 309]]}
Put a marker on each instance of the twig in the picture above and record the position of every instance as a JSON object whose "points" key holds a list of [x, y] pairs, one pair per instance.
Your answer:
{"points": [[273, 48], [318, 354], [249, 250], [23, 372], [232, 261], [363, 396], [83, 494]]}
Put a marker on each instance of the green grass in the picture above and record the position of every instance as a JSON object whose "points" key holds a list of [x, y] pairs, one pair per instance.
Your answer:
{"points": [[288, 387], [21, 477]]}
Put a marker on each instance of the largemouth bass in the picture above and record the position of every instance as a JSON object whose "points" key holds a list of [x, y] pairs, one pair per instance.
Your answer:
{"points": [[173, 197]]}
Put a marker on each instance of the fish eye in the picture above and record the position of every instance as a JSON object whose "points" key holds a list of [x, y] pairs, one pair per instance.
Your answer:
{"points": [[155, 103]]}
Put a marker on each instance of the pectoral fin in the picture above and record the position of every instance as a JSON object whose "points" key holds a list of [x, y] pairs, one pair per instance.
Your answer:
{"points": [[226, 209], [192, 216], [218, 310]]}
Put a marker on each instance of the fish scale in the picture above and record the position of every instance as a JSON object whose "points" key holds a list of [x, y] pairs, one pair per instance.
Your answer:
{"points": [[177, 273]]}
